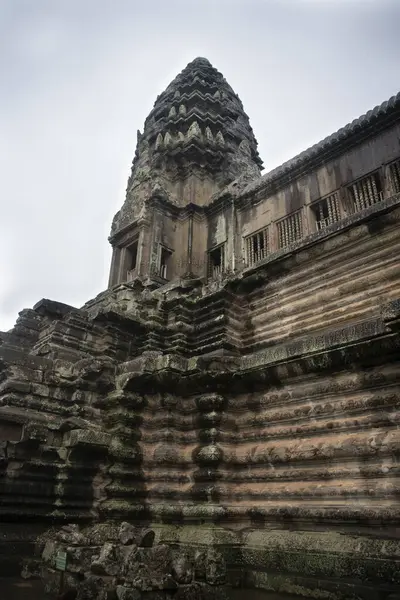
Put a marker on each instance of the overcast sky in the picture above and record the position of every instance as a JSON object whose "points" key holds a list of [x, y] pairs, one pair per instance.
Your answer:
{"points": [[78, 78]]}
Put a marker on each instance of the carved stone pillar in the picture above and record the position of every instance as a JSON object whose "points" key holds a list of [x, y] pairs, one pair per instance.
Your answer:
{"points": [[115, 264]]}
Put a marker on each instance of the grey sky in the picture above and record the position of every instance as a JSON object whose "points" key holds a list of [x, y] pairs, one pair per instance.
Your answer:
{"points": [[80, 76]]}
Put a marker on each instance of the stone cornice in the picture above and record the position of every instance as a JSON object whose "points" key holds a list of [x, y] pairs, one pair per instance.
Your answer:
{"points": [[368, 341], [142, 221]]}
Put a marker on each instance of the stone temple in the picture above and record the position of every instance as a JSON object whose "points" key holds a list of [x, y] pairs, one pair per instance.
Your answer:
{"points": [[223, 420]]}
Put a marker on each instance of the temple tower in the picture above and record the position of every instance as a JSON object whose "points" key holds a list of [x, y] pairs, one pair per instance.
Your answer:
{"points": [[196, 141]]}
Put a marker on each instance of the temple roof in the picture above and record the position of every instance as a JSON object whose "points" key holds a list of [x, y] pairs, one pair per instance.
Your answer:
{"points": [[196, 141], [329, 144], [199, 122]]}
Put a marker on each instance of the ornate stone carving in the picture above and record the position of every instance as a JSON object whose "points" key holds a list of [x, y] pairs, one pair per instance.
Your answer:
{"points": [[156, 140]]}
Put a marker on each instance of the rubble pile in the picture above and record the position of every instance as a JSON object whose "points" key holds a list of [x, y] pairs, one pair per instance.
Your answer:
{"points": [[123, 562]]}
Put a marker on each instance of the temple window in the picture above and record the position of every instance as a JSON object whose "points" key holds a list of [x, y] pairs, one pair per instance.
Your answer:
{"points": [[290, 229], [365, 192], [216, 261], [164, 270], [394, 176], [326, 211], [256, 246], [132, 255]]}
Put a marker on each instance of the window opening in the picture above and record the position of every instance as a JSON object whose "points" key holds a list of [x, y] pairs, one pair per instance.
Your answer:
{"points": [[290, 229], [132, 255], [216, 261], [366, 192], [256, 246], [394, 174], [133, 252], [326, 211], [165, 263]]}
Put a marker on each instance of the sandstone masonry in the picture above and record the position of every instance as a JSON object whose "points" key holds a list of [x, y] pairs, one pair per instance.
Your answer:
{"points": [[225, 417]]}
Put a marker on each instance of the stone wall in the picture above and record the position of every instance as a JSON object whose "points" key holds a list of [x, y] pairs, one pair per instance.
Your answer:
{"points": [[318, 181], [252, 203], [342, 279], [268, 437]]}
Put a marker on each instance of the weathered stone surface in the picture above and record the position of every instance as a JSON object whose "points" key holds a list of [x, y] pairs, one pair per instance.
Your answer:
{"points": [[226, 414], [215, 568], [200, 564], [129, 534], [108, 561], [131, 560], [178, 152], [127, 593], [70, 534], [192, 591], [121, 570], [92, 588], [182, 569], [153, 572]]}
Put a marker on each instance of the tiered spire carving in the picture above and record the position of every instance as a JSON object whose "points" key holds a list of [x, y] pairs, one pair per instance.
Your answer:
{"points": [[197, 128]]}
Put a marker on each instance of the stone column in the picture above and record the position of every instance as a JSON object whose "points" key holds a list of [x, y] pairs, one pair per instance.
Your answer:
{"points": [[232, 236], [188, 270], [139, 266], [123, 266], [114, 269]]}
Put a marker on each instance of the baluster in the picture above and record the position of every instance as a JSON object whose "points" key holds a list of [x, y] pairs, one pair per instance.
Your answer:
{"points": [[371, 191], [365, 195]]}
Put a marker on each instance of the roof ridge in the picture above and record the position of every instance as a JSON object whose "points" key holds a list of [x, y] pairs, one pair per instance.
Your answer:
{"points": [[341, 134]]}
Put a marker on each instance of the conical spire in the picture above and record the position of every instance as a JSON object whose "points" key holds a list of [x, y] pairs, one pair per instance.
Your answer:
{"points": [[200, 61], [200, 99], [197, 128]]}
